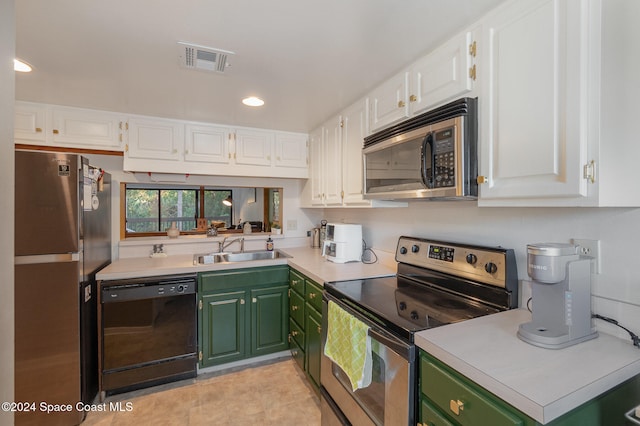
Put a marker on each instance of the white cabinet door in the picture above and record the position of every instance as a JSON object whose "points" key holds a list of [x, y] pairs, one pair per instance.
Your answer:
{"points": [[388, 103], [316, 166], [155, 139], [253, 147], [444, 75], [29, 125], [535, 100], [207, 144], [332, 160], [291, 150], [354, 130], [87, 128]]}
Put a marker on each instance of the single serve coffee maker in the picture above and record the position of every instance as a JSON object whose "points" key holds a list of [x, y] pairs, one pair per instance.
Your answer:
{"points": [[561, 297]]}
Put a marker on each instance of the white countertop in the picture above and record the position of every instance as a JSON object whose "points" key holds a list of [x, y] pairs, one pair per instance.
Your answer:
{"points": [[542, 383], [306, 260]]}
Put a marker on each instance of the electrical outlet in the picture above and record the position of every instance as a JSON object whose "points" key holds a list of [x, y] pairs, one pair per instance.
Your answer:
{"points": [[589, 248], [292, 225]]}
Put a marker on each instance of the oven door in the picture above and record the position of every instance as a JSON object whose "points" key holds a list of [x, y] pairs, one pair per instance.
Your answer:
{"points": [[391, 396]]}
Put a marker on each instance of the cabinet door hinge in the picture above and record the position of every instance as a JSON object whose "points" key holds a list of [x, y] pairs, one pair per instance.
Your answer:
{"points": [[472, 49], [472, 72], [200, 356], [589, 171], [200, 304]]}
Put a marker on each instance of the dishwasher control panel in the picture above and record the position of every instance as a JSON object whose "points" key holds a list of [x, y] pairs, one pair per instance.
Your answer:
{"points": [[147, 288]]}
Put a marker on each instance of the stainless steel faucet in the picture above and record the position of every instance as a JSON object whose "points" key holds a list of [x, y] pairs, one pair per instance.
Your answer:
{"points": [[226, 244]]}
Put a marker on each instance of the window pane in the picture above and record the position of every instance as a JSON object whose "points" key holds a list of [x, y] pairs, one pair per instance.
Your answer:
{"points": [[213, 207], [179, 206], [142, 210]]}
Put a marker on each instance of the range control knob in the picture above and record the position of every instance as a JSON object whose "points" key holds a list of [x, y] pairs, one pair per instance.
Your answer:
{"points": [[414, 315], [181, 288], [491, 268], [403, 250], [402, 306], [472, 259], [415, 248]]}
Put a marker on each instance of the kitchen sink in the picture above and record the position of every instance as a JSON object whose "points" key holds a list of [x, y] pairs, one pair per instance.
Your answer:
{"points": [[247, 256]]}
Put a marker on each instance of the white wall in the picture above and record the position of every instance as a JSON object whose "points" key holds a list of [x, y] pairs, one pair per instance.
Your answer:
{"points": [[616, 290], [7, 95]]}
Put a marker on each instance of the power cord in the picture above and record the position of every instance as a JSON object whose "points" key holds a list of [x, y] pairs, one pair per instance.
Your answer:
{"points": [[373, 258], [634, 337]]}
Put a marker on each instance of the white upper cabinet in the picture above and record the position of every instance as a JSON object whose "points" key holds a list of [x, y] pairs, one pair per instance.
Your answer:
{"points": [[447, 73], [170, 146], [207, 144], [335, 163], [539, 92], [83, 128], [155, 139], [253, 147], [388, 102], [291, 150], [354, 129], [315, 184], [52, 125], [30, 123]]}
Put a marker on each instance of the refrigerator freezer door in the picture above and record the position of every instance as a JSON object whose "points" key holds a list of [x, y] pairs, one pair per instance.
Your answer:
{"points": [[47, 204], [47, 351]]}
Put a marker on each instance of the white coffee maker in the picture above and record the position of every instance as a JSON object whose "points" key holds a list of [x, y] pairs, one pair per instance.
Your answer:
{"points": [[561, 297]]}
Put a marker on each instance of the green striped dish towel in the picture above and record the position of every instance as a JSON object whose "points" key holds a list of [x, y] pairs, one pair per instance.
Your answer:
{"points": [[349, 345]]}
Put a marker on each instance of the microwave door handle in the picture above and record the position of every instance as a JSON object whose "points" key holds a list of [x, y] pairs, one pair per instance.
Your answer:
{"points": [[427, 180]]}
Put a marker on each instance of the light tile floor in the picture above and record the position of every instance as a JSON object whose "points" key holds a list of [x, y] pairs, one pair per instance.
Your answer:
{"points": [[272, 394]]}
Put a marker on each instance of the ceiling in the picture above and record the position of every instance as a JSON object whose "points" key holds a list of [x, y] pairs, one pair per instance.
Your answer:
{"points": [[306, 59]]}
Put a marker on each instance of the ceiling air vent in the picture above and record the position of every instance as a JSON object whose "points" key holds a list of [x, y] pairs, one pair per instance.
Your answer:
{"points": [[203, 58]]}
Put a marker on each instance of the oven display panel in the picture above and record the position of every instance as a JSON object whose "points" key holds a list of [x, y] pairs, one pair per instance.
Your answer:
{"points": [[441, 253]]}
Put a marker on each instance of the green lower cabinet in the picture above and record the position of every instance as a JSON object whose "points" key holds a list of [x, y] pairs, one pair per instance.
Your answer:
{"points": [[269, 325], [243, 313], [305, 324], [449, 398], [313, 350], [222, 328]]}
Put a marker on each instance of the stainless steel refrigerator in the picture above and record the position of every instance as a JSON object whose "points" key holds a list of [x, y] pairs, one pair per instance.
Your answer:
{"points": [[62, 238]]}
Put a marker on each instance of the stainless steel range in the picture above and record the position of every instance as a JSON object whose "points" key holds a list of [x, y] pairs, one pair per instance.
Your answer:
{"points": [[437, 283]]}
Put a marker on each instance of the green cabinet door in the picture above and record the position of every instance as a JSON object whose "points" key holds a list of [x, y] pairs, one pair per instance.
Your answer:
{"points": [[313, 352], [223, 324], [269, 328]]}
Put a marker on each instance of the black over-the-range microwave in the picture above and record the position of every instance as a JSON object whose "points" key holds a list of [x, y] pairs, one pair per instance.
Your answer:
{"points": [[430, 156]]}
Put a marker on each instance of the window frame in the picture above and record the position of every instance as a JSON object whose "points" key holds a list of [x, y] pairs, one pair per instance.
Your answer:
{"points": [[199, 207]]}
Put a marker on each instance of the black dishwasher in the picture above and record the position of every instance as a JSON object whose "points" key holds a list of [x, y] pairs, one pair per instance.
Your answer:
{"points": [[148, 332]]}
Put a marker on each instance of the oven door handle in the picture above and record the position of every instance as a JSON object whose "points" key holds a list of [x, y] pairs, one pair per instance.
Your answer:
{"points": [[403, 349]]}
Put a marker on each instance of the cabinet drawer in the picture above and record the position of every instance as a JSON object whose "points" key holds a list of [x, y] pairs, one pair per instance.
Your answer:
{"points": [[430, 416], [461, 399], [296, 332], [296, 308], [296, 281], [313, 295]]}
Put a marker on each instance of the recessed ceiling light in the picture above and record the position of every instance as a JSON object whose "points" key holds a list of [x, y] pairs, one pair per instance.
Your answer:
{"points": [[253, 101], [21, 66]]}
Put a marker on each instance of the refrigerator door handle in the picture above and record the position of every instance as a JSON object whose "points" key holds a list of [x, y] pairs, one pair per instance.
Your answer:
{"points": [[46, 258]]}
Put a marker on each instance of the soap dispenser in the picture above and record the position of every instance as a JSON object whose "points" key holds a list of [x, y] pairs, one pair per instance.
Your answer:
{"points": [[269, 244]]}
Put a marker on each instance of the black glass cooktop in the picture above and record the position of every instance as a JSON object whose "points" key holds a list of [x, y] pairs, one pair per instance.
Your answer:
{"points": [[404, 306]]}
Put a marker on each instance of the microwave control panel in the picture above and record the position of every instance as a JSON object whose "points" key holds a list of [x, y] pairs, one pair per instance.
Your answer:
{"points": [[444, 158]]}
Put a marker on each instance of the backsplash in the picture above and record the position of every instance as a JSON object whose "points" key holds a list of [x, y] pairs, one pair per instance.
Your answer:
{"points": [[616, 290]]}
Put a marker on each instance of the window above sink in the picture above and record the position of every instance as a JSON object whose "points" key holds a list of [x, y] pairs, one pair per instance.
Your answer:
{"points": [[149, 209]]}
